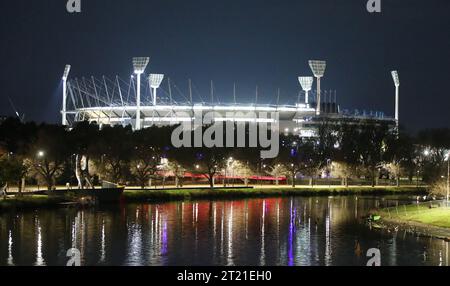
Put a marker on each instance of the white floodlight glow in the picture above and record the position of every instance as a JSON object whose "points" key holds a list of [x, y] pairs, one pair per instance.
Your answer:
{"points": [[139, 64], [306, 83], [66, 72], [318, 69], [155, 83], [156, 80], [64, 104], [396, 79]]}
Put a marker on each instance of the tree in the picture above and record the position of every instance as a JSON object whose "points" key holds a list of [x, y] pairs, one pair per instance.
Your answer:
{"points": [[238, 168], [299, 156], [209, 161], [12, 170], [371, 148], [115, 147], [278, 171], [48, 153], [399, 155], [346, 158], [435, 144]]}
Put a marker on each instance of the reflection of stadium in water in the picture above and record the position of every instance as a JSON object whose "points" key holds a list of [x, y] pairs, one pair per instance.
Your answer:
{"points": [[288, 231]]}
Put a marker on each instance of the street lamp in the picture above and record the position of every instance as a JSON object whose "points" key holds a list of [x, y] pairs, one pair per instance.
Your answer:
{"points": [[139, 65], [318, 69], [40, 154]]}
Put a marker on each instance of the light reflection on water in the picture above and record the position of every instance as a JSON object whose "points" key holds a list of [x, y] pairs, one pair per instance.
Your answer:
{"points": [[275, 231]]}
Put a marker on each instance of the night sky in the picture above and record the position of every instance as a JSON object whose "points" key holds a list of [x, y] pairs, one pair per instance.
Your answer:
{"points": [[250, 42]]}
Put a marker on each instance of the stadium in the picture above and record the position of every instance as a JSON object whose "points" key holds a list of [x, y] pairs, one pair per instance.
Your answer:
{"points": [[140, 101]]}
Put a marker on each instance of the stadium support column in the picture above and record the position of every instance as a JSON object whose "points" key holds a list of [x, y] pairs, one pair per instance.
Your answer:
{"points": [[318, 97], [397, 104], [155, 83], [396, 79], [318, 69], [64, 103], [138, 103], [139, 64]]}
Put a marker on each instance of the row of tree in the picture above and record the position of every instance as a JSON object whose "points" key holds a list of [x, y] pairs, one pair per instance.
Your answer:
{"points": [[87, 154]]}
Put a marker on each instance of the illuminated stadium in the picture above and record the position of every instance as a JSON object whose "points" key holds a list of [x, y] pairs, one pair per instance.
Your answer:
{"points": [[140, 101]]}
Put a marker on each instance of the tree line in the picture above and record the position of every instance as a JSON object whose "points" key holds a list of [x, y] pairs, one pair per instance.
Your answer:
{"points": [[86, 155]]}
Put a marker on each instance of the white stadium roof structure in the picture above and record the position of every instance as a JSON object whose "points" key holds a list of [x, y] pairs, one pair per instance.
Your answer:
{"points": [[113, 101]]}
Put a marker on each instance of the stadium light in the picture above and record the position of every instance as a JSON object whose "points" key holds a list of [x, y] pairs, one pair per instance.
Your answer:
{"points": [[139, 64], [306, 83], [318, 69], [155, 83], [396, 79], [64, 104]]}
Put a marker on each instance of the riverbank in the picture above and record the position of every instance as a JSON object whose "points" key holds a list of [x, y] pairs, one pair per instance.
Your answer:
{"points": [[159, 195], [419, 220], [258, 192], [29, 202]]}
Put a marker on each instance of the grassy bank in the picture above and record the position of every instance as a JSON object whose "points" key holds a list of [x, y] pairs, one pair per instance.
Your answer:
{"points": [[414, 215], [193, 194], [418, 220], [28, 202]]}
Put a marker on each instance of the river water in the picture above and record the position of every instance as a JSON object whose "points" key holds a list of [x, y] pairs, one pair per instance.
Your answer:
{"points": [[274, 231]]}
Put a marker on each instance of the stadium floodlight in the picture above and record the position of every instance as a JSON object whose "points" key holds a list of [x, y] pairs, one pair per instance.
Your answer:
{"points": [[66, 72], [396, 79], [306, 83], [64, 104], [155, 83], [318, 69], [139, 65]]}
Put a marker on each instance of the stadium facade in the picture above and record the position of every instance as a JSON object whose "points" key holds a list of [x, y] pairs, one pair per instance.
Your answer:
{"points": [[141, 102]]}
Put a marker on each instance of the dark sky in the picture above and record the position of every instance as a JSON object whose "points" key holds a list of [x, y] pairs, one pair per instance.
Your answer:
{"points": [[251, 42]]}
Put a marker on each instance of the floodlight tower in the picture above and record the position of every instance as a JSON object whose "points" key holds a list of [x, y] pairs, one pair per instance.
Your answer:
{"points": [[139, 64], [64, 104], [155, 83], [396, 79], [318, 69], [306, 83]]}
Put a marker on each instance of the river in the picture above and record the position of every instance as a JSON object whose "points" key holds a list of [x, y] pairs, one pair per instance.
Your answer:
{"points": [[274, 231]]}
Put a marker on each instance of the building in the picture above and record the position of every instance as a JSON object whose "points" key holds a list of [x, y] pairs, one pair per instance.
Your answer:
{"points": [[136, 103]]}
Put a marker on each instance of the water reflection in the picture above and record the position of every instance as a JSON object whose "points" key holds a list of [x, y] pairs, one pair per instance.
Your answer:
{"points": [[278, 231]]}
